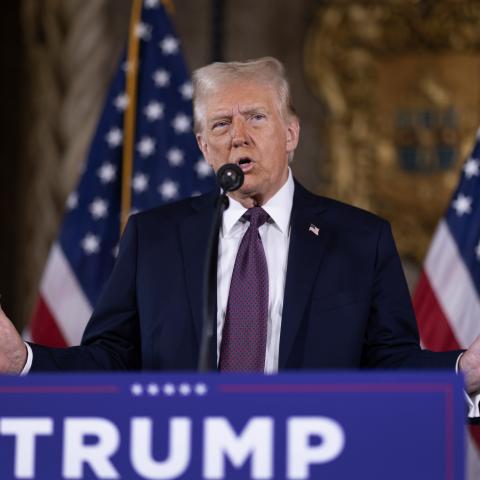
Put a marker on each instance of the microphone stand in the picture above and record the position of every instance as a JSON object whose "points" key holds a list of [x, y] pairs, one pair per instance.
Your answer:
{"points": [[229, 178], [210, 286]]}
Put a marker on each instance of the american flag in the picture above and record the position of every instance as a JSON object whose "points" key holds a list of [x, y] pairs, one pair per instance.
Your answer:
{"points": [[446, 300], [167, 166]]}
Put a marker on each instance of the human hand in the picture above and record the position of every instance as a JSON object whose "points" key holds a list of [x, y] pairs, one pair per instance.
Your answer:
{"points": [[470, 367], [13, 353]]}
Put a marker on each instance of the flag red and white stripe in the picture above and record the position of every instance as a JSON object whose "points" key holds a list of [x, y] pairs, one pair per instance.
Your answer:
{"points": [[62, 309], [447, 300]]}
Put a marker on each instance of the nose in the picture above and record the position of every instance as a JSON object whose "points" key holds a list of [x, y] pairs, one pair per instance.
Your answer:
{"points": [[239, 132]]}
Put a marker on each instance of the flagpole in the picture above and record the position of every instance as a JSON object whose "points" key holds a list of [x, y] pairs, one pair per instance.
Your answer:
{"points": [[130, 112]]}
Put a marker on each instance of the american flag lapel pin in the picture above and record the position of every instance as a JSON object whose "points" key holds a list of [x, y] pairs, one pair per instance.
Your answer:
{"points": [[314, 229]]}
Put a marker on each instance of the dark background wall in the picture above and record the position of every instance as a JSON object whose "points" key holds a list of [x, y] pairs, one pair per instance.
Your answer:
{"points": [[12, 75]]}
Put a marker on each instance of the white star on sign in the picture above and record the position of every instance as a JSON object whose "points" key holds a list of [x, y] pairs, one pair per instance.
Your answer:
{"points": [[140, 182], [186, 90], [181, 123], [169, 389], [121, 102], [161, 78], [202, 168], [90, 243], [136, 389], [168, 190], [153, 111], [169, 45], [152, 3], [200, 389], [98, 208], [72, 201], [153, 389], [146, 146], [471, 168], [175, 157], [107, 172], [185, 389], [114, 137], [462, 204], [143, 31]]}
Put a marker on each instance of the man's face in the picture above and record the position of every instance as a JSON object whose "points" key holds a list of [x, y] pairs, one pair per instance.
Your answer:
{"points": [[243, 124]]}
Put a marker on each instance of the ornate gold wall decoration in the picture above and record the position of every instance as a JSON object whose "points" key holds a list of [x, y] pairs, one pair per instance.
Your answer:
{"points": [[401, 83]]}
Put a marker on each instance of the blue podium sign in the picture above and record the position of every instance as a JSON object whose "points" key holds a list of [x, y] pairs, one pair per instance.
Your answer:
{"points": [[287, 426]]}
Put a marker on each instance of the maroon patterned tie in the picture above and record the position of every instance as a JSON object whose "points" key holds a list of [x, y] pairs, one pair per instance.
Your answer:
{"points": [[244, 336]]}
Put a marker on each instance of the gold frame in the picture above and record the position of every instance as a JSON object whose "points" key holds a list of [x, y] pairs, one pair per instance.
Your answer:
{"points": [[365, 60]]}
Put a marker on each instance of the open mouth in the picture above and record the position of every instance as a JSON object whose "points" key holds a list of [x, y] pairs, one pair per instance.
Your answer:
{"points": [[245, 163]]}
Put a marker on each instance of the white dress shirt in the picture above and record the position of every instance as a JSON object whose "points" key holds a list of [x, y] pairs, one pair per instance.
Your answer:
{"points": [[275, 235]]}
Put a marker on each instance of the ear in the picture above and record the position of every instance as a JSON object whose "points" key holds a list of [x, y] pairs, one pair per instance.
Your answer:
{"points": [[202, 144], [293, 134]]}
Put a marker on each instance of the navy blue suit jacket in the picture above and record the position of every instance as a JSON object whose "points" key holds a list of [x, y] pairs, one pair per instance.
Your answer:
{"points": [[346, 302]]}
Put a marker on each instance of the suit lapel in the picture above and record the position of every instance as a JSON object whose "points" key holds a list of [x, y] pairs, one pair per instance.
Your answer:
{"points": [[194, 234], [305, 255]]}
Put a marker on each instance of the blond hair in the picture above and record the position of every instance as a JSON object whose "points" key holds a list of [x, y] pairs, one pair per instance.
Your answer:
{"points": [[268, 70]]}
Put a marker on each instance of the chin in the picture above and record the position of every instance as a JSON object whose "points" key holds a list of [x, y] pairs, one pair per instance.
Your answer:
{"points": [[247, 191]]}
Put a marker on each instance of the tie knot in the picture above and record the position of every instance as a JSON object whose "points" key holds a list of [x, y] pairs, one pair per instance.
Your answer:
{"points": [[257, 216]]}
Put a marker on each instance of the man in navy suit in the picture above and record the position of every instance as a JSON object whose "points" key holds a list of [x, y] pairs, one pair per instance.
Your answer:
{"points": [[337, 297]]}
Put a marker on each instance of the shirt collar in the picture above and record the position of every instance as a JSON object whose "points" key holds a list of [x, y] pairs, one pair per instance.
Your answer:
{"points": [[279, 207]]}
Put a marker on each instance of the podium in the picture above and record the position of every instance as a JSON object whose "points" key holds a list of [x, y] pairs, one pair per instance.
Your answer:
{"points": [[334, 425]]}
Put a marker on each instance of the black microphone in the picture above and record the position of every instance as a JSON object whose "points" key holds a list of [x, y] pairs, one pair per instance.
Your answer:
{"points": [[230, 177]]}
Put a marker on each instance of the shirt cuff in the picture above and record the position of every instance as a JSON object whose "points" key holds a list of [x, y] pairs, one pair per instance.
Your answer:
{"points": [[473, 401], [28, 363]]}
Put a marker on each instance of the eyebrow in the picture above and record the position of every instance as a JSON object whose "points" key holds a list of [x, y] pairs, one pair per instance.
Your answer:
{"points": [[219, 115], [227, 113], [253, 109]]}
